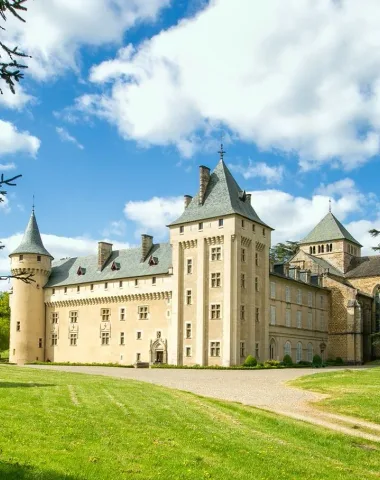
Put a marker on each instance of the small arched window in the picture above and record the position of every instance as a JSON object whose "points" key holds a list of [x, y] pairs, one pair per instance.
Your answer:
{"points": [[299, 352], [309, 352], [327, 248], [288, 349], [272, 349], [311, 249], [322, 248], [314, 249], [330, 247], [319, 249]]}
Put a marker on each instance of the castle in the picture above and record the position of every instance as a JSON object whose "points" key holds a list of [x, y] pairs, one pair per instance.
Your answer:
{"points": [[210, 296]]}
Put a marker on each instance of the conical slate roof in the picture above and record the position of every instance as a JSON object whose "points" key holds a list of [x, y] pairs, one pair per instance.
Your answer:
{"points": [[31, 242], [223, 196], [328, 229]]}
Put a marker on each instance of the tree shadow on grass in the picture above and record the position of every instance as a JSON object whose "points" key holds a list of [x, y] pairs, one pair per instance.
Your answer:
{"points": [[23, 385], [15, 471]]}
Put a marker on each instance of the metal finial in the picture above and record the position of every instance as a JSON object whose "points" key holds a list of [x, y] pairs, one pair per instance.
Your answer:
{"points": [[329, 205], [221, 151], [33, 205]]}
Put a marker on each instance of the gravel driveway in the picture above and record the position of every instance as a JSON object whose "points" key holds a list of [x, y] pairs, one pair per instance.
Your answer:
{"points": [[264, 389]]}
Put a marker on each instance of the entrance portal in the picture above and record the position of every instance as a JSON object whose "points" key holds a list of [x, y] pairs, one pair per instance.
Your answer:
{"points": [[158, 351], [159, 356]]}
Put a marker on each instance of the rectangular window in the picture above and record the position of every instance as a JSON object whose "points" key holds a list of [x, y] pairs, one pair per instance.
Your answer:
{"points": [[257, 315], [287, 294], [299, 319], [78, 289], [216, 253], [215, 311], [121, 284], [73, 339], [309, 320], [122, 314], [105, 338], [242, 349], [21, 258], [220, 222], [188, 351], [189, 266], [188, 297], [257, 351], [105, 285], [188, 330], [54, 339], [272, 315], [256, 259], [154, 280], [92, 287], [242, 312], [40, 343], [253, 227], [242, 280], [18, 327], [242, 224], [138, 335], [143, 312], [105, 314], [242, 255], [288, 317], [215, 349], [53, 291], [215, 280], [310, 299], [181, 229], [299, 296], [38, 258], [136, 282], [122, 338], [54, 317], [65, 290], [322, 320], [73, 317], [200, 226], [256, 284], [272, 290], [263, 232]]}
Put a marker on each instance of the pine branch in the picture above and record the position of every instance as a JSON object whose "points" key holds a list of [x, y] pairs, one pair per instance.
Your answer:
{"points": [[9, 182], [24, 277]]}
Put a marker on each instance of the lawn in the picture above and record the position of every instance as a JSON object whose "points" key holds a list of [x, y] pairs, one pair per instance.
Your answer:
{"points": [[353, 392], [57, 425]]}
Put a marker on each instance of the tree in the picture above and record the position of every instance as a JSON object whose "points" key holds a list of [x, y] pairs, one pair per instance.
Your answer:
{"points": [[283, 252], [10, 67], [375, 233], [5, 313]]}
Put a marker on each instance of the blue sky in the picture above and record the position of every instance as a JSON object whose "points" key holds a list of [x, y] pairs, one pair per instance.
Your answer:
{"points": [[124, 99]]}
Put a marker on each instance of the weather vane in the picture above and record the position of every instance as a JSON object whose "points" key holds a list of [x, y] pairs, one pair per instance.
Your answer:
{"points": [[221, 151], [329, 205], [33, 204]]}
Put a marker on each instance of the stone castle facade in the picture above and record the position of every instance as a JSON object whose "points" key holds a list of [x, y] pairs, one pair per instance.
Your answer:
{"points": [[210, 296]]}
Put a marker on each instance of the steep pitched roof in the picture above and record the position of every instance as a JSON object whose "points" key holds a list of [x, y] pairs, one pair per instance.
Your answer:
{"points": [[223, 196], [328, 229], [364, 267], [65, 271], [31, 242]]}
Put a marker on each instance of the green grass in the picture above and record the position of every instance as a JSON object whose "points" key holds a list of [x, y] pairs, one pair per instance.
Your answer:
{"points": [[353, 392], [57, 425]]}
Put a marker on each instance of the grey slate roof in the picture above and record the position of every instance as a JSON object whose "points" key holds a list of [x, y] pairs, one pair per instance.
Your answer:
{"points": [[31, 242], [328, 229], [64, 272], [221, 198], [325, 265], [364, 267]]}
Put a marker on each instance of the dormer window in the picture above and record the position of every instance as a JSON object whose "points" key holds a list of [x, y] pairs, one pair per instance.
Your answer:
{"points": [[115, 266], [153, 261], [38, 258], [81, 271]]}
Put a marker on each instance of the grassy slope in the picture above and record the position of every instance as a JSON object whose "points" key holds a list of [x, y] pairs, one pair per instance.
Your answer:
{"points": [[354, 392], [57, 425]]}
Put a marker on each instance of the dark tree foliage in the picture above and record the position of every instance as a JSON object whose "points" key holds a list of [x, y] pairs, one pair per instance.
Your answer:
{"points": [[283, 252], [10, 57], [375, 233], [5, 315]]}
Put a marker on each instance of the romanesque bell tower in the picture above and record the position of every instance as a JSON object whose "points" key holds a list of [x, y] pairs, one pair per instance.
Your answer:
{"points": [[27, 342]]}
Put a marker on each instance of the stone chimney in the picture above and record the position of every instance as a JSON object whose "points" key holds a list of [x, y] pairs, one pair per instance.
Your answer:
{"points": [[248, 198], [204, 177], [104, 253], [146, 246], [187, 200]]}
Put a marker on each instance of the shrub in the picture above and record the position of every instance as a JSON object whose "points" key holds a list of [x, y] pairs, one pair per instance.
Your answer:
{"points": [[288, 362], [317, 361], [271, 363], [250, 361], [304, 363], [339, 361]]}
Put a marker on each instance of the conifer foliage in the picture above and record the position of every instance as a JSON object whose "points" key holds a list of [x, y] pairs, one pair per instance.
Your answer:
{"points": [[11, 65]]}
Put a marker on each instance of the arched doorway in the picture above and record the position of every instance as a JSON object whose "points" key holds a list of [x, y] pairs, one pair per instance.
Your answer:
{"points": [[272, 349], [159, 350]]}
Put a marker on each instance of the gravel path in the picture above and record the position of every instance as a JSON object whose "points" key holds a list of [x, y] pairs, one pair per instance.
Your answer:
{"points": [[264, 389]]}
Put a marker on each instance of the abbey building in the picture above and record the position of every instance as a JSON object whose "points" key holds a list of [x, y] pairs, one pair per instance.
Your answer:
{"points": [[210, 296]]}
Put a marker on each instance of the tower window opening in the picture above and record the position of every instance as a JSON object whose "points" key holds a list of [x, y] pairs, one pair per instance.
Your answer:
{"points": [[18, 326], [40, 343], [38, 258], [314, 249], [21, 258], [311, 249], [330, 247], [322, 249]]}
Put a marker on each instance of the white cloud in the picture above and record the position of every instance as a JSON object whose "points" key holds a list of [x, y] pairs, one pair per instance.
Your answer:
{"points": [[56, 29], [152, 216], [117, 227], [270, 174], [13, 141], [66, 137], [59, 247], [299, 76], [7, 166], [15, 101]]}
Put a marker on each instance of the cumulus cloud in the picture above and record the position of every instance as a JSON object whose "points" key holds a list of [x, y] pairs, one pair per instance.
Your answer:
{"points": [[13, 141], [117, 227], [15, 101], [270, 174], [301, 77], [56, 29], [7, 166], [65, 136], [152, 216]]}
